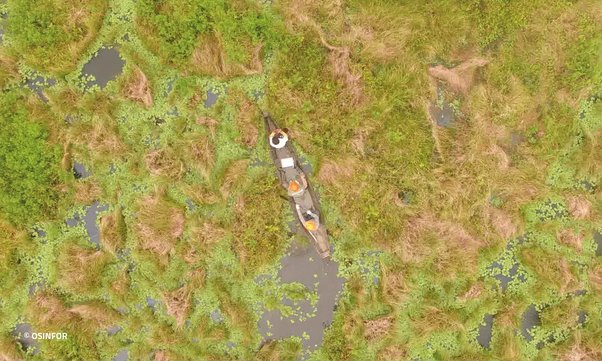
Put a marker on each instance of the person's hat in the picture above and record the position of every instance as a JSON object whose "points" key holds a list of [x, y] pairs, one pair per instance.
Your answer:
{"points": [[311, 225], [294, 186]]}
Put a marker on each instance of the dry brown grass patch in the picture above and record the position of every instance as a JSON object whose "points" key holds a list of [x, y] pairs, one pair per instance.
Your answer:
{"points": [[580, 350], [508, 322], [377, 329], [269, 350], [395, 287], [340, 61], [102, 137], [165, 336], [452, 237], [98, 315], [138, 88], [161, 356], [461, 77], [11, 239], [595, 278], [9, 349], [73, 260], [200, 194], [392, 352], [196, 278], [81, 20], [358, 141], [571, 238], [335, 172], [49, 310], [177, 303], [122, 284], [473, 292], [239, 315], [111, 232], [210, 58], [501, 221], [8, 68], [435, 319], [234, 175], [87, 191], [209, 123], [160, 224], [204, 237], [248, 115], [164, 162], [209, 234], [200, 150], [500, 154], [378, 41], [580, 208], [551, 269]]}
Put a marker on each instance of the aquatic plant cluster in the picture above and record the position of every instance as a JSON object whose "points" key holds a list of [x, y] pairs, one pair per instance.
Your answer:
{"points": [[456, 147]]}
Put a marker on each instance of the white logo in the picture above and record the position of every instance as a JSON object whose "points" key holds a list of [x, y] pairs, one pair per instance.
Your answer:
{"points": [[46, 335]]}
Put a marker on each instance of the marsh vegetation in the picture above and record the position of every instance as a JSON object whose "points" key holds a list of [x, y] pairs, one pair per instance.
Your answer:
{"points": [[477, 238]]}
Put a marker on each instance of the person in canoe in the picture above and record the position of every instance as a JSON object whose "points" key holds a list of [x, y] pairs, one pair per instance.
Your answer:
{"points": [[278, 138]]}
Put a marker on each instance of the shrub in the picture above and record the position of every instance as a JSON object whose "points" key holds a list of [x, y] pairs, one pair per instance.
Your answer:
{"points": [[29, 165]]}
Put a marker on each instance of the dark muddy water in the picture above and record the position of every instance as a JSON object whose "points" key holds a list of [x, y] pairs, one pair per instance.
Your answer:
{"points": [[587, 185], [22, 333], [441, 111], [89, 219], [504, 278], [529, 321], [304, 265], [598, 239], [38, 84], [212, 97], [113, 330], [216, 316], [581, 318], [35, 288], [169, 86], [444, 116], [122, 355], [152, 303], [105, 66], [2, 23], [80, 171], [485, 331]]}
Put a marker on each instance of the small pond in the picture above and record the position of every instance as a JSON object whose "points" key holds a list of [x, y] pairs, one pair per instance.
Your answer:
{"points": [[529, 321], [485, 331], [211, 99], [89, 219], [105, 65], [80, 171]]}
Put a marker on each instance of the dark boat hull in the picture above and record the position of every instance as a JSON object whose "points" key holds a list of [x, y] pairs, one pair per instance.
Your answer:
{"points": [[319, 236]]}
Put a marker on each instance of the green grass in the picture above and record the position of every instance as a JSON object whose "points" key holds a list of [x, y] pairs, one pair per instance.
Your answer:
{"points": [[51, 35], [30, 165]]}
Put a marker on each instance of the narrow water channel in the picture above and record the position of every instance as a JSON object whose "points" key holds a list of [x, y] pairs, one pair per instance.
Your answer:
{"points": [[304, 265]]}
